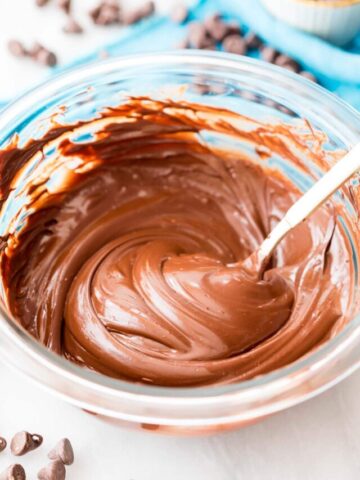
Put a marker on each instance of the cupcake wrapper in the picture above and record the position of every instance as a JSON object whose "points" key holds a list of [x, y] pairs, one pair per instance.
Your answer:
{"points": [[333, 22]]}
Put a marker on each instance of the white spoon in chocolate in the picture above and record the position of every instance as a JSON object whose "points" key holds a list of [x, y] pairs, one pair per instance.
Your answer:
{"points": [[305, 206]]}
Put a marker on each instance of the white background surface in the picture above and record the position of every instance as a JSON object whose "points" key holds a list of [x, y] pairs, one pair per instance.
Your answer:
{"points": [[319, 440]]}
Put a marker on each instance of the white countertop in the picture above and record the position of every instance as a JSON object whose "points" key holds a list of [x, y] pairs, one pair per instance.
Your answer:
{"points": [[318, 440]]}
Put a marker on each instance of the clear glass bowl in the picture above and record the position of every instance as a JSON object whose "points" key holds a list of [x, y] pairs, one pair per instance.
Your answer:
{"points": [[243, 85]]}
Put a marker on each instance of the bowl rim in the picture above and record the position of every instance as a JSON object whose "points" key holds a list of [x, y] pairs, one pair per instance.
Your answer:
{"points": [[279, 380]]}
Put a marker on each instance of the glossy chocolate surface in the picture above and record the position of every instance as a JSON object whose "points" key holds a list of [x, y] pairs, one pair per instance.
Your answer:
{"points": [[126, 256]]}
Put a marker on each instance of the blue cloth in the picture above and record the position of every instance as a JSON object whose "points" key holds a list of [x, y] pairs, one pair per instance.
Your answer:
{"points": [[337, 69]]}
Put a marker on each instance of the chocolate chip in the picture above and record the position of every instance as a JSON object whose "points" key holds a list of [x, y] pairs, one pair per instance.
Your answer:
{"points": [[216, 27], [107, 13], [42, 55], [198, 36], [287, 62], [64, 5], [3, 444], [24, 442], [94, 13], [183, 44], [17, 48], [63, 451], [14, 472], [54, 471], [41, 3], [179, 13], [134, 16], [234, 44], [107, 16], [309, 76], [291, 67], [253, 42], [72, 26], [233, 27], [269, 54], [47, 58]]}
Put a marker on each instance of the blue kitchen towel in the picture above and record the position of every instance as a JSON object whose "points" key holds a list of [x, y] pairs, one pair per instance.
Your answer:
{"points": [[337, 69]]}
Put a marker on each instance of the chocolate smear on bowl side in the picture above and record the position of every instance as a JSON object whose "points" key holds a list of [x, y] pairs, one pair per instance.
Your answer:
{"points": [[24, 442], [63, 451]]}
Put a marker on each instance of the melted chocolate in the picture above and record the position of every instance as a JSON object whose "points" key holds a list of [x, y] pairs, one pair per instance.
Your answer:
{"points": [[125, 255]]}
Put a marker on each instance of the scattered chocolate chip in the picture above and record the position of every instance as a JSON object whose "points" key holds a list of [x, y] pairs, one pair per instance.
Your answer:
{"points": [[183, 44], [42, 55], [64, 5], [269, 54], [17, 48], [94, 13], [134, 16], [234, 44], [41, 3], [291, 67], [216, 27], [308, 75], [233, 27], [53, 471], [179, 13], [24, 442], [287, 62], [198, 36], [107, 13], [47, 58], [253, 41], [63, 451], [3, 444], [35, 49], [72, 26], [14, 472]]}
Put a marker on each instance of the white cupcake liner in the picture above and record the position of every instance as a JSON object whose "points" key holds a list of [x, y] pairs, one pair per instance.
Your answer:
{"points": [[337, 21]]}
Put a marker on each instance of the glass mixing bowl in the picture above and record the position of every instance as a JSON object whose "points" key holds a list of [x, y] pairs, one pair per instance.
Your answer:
{"points": [[249, 87]]}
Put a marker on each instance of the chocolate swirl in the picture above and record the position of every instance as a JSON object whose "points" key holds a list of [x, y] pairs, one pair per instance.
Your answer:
{"points": [[132, 264]]}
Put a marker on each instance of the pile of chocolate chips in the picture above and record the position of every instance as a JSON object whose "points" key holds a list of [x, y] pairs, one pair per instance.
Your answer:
{"points": [[23, 442], [107, 12], [37, 52], [216, 33]]}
